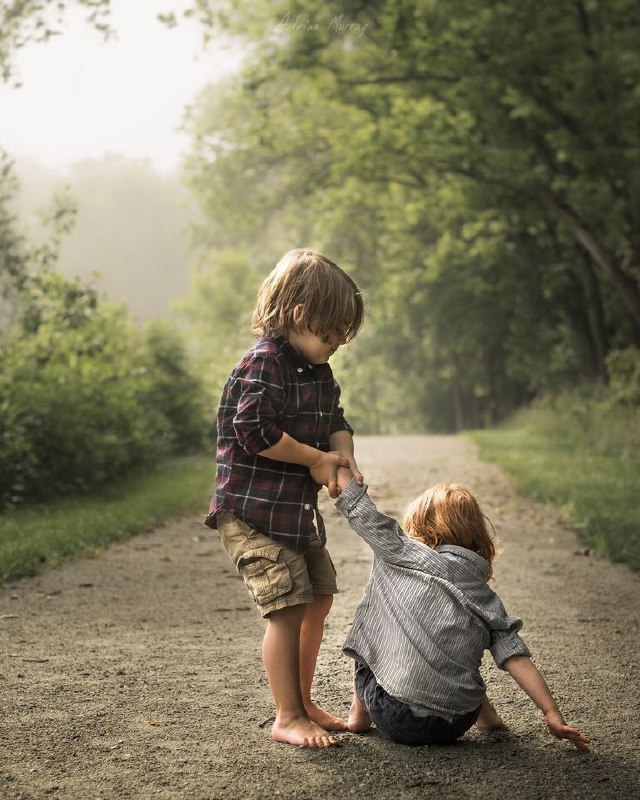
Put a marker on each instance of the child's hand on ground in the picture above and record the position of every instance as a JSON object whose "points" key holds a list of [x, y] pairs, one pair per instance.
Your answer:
{"points": [[324, 470], [559, 728]]}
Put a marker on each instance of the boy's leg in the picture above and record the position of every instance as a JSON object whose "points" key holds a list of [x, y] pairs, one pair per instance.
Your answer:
{"points": [[489, 719], [310, 640], [281, 659]]}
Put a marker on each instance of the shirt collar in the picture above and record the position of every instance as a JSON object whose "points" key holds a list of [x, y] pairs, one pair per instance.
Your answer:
{"points": [[468, 555], [295, 356]]}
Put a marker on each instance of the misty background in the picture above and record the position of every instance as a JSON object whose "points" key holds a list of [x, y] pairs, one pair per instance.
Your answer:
{"points": [[130, 236]]}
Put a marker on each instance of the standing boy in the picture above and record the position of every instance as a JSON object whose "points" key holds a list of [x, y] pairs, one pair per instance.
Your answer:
{"points": [[281, 433]]}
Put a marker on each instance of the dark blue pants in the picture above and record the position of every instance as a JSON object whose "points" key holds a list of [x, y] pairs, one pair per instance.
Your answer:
{"points": [[395, 720]]}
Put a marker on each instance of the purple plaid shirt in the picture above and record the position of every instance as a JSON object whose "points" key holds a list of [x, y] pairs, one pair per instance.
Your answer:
{"points": [[271, 391]]}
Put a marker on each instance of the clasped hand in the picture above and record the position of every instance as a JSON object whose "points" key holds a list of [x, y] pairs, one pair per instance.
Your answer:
{"points": [[325, 470]]}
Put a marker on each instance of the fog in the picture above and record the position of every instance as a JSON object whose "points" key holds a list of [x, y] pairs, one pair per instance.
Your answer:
{"points": [[130, 229]]}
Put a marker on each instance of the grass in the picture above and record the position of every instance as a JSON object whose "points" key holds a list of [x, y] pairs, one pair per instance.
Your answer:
{"points": [[36, 538], [599, 490]]}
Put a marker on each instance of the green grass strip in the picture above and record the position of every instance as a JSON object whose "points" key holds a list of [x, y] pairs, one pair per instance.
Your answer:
{"points": [[39, 537], [600, 493]]}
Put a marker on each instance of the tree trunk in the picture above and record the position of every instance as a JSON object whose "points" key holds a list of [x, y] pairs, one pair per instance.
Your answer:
{"points": [[627, 288], [458, 410], [595, 315]]}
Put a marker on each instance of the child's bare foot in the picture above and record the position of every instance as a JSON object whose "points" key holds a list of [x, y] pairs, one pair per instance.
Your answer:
{"points": [[359, 718], [489, 719], [491, 725], [302, 732], [324, 719]]}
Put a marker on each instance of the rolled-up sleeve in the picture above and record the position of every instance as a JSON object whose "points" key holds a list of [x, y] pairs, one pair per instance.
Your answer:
{"points": [[338, 421], [260, 396], [506, 643], [383, 534]]}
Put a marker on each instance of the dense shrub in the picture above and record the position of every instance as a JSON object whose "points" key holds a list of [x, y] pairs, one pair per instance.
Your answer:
{"points": [[175, 391], [84, 396], [604, 419]]}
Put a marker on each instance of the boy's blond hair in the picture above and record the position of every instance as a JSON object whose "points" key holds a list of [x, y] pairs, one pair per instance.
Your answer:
{"points": [[449, 514], [323, 294]]}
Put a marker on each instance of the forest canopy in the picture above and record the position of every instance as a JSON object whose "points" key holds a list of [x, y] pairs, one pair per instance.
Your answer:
{"points": [[475, 167]]}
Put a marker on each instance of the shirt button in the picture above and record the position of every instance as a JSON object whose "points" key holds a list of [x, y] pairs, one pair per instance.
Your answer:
{"points": [[307, 507], [299, 369]]}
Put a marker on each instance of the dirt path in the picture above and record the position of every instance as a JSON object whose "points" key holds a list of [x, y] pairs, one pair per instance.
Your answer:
{"points": [[136, 674]]}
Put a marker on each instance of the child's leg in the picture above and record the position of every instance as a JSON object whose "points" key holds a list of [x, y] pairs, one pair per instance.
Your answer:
{"points": [[489, 719], [310, 641], [359, 718], [281, 659]]}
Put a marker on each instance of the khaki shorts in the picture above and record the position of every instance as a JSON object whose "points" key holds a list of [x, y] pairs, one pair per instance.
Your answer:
{"points": [[275, 575]]}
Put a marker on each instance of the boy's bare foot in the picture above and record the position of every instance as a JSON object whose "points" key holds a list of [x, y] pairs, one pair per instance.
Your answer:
{"points": [[324, 719], [302, 732], [359, 718]]}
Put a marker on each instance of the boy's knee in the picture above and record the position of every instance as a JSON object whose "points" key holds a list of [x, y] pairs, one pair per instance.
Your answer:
{"points": [[288, 615], [322, 603]]}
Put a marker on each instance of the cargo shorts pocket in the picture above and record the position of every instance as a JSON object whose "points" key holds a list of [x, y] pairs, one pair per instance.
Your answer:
{"points": [[265, 572]]}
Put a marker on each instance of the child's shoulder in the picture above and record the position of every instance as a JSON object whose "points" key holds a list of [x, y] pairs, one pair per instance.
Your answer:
{"points": [[265, 350], [267, 346]]}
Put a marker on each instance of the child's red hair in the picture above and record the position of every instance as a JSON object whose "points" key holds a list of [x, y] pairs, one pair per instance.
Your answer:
{"points": [[449, 514]]}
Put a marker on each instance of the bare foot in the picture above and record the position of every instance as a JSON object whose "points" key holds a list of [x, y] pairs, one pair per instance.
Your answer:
{"points": [[490, 722], [324, 719], [302, 732], [359, 719], [489, 719]]}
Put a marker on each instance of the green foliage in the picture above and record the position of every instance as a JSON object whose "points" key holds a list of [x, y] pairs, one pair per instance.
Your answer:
{"points": [[175, 392], [624, 372], [74, 391], [22, 21], [472, 166], [581, 454], [85, 397]]}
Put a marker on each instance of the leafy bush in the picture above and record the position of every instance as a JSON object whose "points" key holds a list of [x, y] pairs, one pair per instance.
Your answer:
{"points": [[581, 450], [175, 392], [624, 376], [84, 396], [603, 419]]}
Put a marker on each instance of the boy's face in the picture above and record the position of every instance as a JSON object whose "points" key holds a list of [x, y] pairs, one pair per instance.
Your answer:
{"points": [[315, 348]]}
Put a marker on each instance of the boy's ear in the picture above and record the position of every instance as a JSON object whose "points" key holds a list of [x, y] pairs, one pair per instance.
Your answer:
{"points": [[298, 315]]}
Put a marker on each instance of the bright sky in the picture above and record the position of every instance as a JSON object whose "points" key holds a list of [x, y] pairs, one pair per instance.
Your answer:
{"points": [[81, 97]]}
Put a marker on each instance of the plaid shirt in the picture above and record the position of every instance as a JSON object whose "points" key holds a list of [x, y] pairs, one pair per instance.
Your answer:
{"points": [[271, 391]]}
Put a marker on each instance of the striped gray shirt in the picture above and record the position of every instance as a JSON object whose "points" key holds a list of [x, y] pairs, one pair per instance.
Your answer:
{"points": [[427, 615]]}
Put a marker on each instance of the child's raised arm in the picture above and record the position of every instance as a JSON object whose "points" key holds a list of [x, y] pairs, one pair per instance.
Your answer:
{"points": [[526, 675]]}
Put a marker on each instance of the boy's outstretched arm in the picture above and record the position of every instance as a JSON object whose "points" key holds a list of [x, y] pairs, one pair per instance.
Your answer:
{"points": [[526, 675], [323, 466], [342, 441]]}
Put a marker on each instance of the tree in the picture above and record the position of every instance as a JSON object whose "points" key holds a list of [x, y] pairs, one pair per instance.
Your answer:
{"points": [[23, 21], [473, 165]]}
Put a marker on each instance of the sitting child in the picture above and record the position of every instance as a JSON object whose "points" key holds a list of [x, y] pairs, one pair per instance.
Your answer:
{"points": [[427, 616]]}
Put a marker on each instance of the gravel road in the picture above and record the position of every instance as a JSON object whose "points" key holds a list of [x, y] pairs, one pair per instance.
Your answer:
{"points": [[137, 673]]}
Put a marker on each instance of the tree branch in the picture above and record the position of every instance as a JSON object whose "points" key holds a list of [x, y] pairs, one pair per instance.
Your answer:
{"points": [[602, 257]]}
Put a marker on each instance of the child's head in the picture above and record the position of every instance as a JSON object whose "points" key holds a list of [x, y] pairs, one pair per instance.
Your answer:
{"points": [[449, 514], [306, 291]]}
